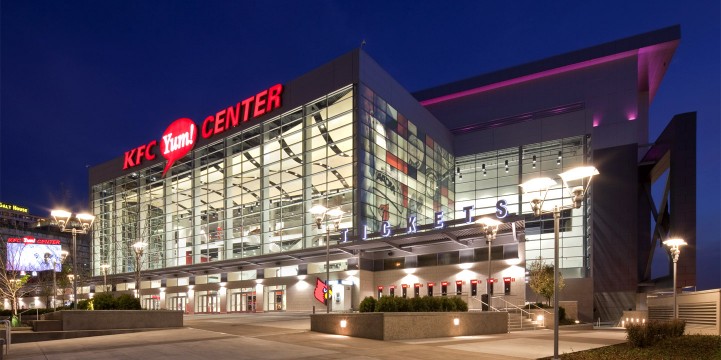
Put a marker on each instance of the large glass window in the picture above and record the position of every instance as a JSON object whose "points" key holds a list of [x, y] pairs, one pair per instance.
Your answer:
{"points": [[245, 195]]}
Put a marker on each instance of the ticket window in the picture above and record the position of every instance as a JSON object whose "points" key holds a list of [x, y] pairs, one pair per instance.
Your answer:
{"points": [[392, 291], [416, 290], [507, 286], [444, 288], [404, 290], [474, 287], [490, 286], [459, 287], [430, 289], [380, 291]]}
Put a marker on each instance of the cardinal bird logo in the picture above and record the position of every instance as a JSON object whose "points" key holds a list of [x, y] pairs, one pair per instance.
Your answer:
{"points": [[321, 293]]}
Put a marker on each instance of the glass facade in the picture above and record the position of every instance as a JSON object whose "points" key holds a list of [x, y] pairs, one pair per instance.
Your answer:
{"points": [[483, 179], [245, 195], [403, 171]]}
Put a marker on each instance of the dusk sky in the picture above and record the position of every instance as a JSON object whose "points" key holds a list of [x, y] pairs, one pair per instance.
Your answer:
{"points": [[84, 81]]}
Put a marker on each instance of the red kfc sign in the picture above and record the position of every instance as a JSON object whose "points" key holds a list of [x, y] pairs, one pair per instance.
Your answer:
{"points": [[180, 137]]}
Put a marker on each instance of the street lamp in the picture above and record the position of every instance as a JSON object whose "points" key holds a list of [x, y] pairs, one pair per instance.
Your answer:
{"points": [[139, 248], [321, 212], [104, 268], [490, 228], [63, 255], [75, 224], [674, 246], [576, 181]]}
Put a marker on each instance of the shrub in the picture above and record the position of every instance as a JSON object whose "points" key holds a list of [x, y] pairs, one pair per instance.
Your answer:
{"points": [[368, 304], [85, 304], [460, 304], [128, 302], [424, 304], [643, 335], [104, 301]]}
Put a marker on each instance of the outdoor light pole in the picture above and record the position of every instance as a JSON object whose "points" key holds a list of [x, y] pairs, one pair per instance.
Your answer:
{"points": [[63, 255], [576, 181], [490, 228], [75, 224], [674, 247], [321, 212]]}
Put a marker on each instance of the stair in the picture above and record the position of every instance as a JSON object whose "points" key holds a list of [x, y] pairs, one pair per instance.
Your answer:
{"points": [[517, 321]]}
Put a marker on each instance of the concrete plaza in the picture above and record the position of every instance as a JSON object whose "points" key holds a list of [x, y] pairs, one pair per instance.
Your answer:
{"points": [[287, 336]]}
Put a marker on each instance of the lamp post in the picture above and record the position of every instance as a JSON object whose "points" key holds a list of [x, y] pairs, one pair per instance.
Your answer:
{"points": [[490, 228], [63, 255], [139, 248], [104, 268], [674, 247], [75, 224], [321, 212], [576, 181]]}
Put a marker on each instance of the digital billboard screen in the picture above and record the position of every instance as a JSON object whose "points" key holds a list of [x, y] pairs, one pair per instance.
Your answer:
{"points": [[31, 254]]}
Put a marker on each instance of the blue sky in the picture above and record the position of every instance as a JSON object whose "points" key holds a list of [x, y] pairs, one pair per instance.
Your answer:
{"points": [[83, 81]]}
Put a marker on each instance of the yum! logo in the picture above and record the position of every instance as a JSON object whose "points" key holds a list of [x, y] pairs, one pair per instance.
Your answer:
{"points": [[180, 137]]}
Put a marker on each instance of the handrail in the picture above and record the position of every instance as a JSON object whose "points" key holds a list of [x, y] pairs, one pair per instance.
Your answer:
{"points": [[8, 334], [20, 315], [482, 302], [538, 307], [514, 306]]}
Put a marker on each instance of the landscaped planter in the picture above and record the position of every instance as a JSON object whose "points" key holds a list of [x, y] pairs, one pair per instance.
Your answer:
{"points": [[115, 319], [417, 325]]}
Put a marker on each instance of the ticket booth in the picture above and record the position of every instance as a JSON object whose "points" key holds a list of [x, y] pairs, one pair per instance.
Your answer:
{"points": [[430, 288], [404, 290], [507, 285], [474, 287], [444, 288], [392, 290], [417, 289], [380, 291], [459, 287]]}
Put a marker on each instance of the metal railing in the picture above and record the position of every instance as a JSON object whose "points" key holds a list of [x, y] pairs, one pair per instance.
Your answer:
{"points": [[484, 303], [20, 315], [523, 312], [8, 334]]}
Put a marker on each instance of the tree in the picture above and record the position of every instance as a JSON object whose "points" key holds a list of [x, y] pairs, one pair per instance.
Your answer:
{"points": [[12, 281], [541, 279]]}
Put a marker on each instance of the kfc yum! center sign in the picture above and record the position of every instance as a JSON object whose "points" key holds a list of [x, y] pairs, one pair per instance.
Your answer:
{"points": [[181, 135]]}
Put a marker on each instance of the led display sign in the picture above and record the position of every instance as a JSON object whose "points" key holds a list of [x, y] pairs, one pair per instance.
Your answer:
{"points": [[31, 254], [180, 137]]}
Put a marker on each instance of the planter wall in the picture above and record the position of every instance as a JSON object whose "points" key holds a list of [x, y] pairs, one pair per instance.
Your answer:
{"points": [[402, 326], [115, 319]]}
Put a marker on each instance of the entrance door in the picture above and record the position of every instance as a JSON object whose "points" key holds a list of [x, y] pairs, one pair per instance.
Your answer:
{"points": [[178, 303], [248, 301], [207, 304], [275, 300], [151, 303]]}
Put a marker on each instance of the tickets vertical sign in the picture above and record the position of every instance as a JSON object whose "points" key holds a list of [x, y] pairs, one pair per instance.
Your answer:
{"points": [[178, 139]]}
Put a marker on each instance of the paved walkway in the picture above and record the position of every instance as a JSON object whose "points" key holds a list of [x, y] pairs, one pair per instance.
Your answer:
{"points": [[287, 336]]}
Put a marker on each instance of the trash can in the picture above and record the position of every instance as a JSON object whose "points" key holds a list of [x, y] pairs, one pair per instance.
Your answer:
{"points": [[484, 305]]}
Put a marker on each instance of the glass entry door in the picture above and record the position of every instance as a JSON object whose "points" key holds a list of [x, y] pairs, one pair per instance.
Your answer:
{"points": [[207, 303], [178, 303], [242, 302], [276, 300]]}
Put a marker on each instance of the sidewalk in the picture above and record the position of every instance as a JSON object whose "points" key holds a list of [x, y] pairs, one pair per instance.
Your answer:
{"points": [[286, 336]]}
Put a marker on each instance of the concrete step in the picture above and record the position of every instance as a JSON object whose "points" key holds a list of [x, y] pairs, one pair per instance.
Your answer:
{"points": [[30, 336], [46, 325]]}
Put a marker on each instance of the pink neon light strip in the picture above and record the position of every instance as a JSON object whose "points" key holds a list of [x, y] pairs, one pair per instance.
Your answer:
{"points": [[530, 77]]}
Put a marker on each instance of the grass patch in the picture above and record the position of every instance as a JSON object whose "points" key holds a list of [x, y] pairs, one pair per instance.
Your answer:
{"points": [[702, 347]]}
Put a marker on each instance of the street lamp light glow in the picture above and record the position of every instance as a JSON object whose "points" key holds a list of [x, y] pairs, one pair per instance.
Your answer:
{"points": [[674, 247], [78, 224], [576, 181]]}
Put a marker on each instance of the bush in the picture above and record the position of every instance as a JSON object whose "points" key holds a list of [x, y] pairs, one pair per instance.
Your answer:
{"points": [[85, 304], [368, 304], [104, 301], [643, 335], [424, 304], [128, 302]]}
